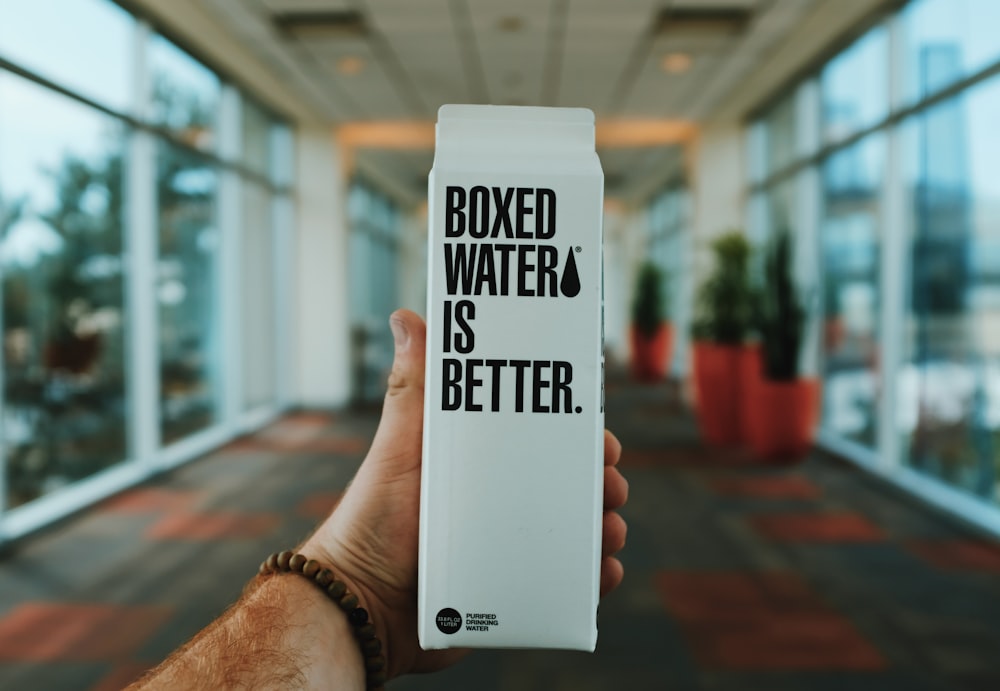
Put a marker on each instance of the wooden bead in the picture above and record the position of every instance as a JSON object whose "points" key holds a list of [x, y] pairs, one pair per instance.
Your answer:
{"points": [[283, 560], [336, 590], [272, 562], [323, 578], [376, 679], [311, 568], [375, 663], [358, 617], [365, 633], [348, 602], [297, 562], [371, 647]]}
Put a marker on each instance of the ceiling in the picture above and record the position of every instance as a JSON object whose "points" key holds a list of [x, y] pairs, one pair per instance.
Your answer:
{"points": [[630, 61]]}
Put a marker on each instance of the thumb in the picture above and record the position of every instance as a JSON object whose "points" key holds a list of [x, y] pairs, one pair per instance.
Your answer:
{"points": [[400, 430]]}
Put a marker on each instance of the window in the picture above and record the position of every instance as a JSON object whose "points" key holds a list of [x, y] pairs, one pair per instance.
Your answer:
{"points": [[257, 296], [907, 231], [282, 157], [61, 204], [668, 218], [98, 69], [257, 138], [112, 255], [185, 95], [374, 247], [854, 87], [780, 135], [950, 407], [187, 292], [850, 250], [946, 40]]}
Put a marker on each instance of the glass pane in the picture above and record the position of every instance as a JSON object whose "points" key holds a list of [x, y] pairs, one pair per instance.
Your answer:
{"points": [[950, 384], [780, 209], [257, 296], [374, 288], [185, 94], [282, 155], [83, 45], [780, 135], [256, 137], [186, 291], [850, 250], [854, 87], [61, 259], [946, 40]]}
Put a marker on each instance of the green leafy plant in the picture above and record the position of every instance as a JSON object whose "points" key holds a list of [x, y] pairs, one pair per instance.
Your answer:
{"points": [[725, 299], [780, 314], [648, 310]]}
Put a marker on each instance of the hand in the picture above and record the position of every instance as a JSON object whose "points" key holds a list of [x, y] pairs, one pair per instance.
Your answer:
{"points": [[371, 538]]}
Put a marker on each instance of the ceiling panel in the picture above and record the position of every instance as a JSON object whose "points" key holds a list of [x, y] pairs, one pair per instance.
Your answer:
{"points": [[602, 54]]}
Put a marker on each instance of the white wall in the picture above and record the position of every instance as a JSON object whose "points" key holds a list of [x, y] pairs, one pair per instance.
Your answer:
{"points": [[322, 322], [716, 172]]}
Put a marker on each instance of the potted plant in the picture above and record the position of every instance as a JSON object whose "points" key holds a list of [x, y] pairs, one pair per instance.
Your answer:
{"points": [[721, 326], [650, 334], [785, 406]]}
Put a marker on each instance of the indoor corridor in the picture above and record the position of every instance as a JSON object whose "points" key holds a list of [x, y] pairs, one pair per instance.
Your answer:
{"points": [[738, 575]]}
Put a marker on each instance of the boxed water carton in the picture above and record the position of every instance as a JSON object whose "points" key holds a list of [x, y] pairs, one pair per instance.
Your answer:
{"points": [[512, 484]]}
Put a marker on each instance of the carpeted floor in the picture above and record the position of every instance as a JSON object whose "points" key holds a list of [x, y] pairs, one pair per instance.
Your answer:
{"points": [[738, 576]]}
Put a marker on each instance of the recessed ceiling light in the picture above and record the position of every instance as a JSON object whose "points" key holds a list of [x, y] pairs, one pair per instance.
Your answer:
{"points": [[676, 63], [350, 65]]}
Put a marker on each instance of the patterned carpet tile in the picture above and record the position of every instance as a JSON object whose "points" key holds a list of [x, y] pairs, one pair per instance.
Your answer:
{"points": [[50, 632], [767, 487], [688, 457], [120, 676], [958, 555], [216, 525], [816, 527], [298, 441], [762, 621], [152, 500]]}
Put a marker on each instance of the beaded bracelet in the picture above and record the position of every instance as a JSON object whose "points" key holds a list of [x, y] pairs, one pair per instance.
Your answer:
{"points": [[336, 590]]}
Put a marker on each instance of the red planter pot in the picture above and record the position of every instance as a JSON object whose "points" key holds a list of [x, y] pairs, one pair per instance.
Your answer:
{"points": [[751, 374], [782, 419], [721, 373], [650, 354]]}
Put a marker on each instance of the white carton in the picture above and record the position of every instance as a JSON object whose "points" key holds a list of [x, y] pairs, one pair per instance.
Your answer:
{"points": [[512, 484]]}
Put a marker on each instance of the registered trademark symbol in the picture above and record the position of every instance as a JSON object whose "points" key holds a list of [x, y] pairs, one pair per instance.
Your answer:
{"points": [[578, 248]]}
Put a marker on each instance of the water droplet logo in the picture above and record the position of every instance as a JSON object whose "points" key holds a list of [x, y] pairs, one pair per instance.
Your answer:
{"points": [[570, 283]]}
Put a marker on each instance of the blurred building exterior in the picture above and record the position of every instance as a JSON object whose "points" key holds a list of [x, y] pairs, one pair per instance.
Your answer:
{"points": [[209, 208]]}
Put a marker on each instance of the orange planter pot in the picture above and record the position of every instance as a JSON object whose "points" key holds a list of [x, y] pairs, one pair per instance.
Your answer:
{"points": [[720, 375], [783, 418], [650, 355]]}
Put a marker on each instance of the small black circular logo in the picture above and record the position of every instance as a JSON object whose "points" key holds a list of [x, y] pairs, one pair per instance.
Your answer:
{"points": [[449, 621]]}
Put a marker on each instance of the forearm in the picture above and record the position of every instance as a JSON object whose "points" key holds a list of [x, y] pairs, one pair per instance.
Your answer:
{"points": [[282, 634]]}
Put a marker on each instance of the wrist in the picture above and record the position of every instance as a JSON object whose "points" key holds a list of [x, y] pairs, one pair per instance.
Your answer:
{"points": [[336, 591], [364, 583], [315, 628]]}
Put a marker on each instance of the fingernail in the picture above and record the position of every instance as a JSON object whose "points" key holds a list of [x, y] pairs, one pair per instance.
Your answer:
{"points": [[400, 334]]}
